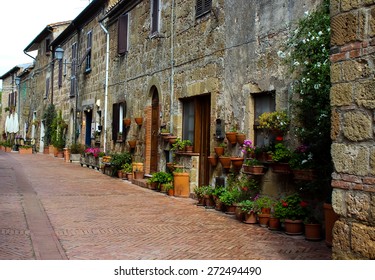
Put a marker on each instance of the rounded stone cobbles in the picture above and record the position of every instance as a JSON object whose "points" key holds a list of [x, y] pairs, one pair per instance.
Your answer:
{"points": [[98, 217]]}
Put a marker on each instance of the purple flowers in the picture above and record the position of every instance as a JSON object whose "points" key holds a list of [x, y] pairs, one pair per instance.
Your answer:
{"points": [[247, 147]]}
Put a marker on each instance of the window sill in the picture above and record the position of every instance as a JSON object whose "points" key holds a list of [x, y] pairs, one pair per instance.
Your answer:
{"points": [[187, 154]]}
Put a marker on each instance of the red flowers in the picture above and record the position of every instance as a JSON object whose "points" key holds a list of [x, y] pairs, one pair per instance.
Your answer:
{"points": [[279, 138], [284, 203], [303, 204]]}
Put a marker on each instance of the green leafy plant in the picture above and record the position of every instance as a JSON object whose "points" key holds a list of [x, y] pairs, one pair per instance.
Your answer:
{"points": [[127, 167], [162, 177], [263, 202], [77, 148], [247, 206], [119, 159], [230, 196], [292, 207], [281, 153]]}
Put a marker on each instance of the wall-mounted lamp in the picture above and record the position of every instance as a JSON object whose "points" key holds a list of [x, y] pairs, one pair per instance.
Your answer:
{"points": [[17, 80], [59, 53]]}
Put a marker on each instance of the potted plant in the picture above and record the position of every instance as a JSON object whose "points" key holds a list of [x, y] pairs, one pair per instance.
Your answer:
{"points": [[199, 193], [212, 160], [277, 121], [253, 166], [293, 210], [217, 191], [225, 161], [188, 146], [231, 136], [228, 197], [118, 160], [263, 206], [127, 170], [25, 150], [313, 228], [169, 188], [132, 143], [302, 164], [208, 198], [247, 148], [247, 206], [178, 145], [280, 158], [76, 149], [219, 150], [237, 162]]}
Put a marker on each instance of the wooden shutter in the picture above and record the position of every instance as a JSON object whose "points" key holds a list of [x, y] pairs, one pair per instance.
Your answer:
{"points": [[202, 7], [155, 16], [122, 34], [115, 121]]}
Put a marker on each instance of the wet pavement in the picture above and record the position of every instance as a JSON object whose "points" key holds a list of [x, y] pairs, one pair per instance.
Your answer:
{"points": [[51, 209]]}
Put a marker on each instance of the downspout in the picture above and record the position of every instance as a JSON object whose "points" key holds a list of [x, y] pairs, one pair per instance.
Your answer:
{"points": [[106, 85], [29, 55], [172, 70]]}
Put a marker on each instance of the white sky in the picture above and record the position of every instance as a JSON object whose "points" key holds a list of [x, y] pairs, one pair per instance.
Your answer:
{"points": [[22, 20]]}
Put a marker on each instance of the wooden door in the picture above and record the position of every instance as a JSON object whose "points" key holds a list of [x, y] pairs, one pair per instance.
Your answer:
{"points": [[202, 136]]}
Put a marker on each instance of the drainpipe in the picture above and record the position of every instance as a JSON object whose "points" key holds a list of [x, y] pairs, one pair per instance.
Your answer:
{"points": [[106, 85], [172, 68]]}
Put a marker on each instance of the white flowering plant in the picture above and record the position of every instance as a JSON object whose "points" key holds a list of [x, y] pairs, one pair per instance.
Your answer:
{"points": [[307, 56]]}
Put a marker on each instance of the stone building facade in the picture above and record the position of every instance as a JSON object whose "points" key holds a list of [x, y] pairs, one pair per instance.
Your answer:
{"points": [[353, 126]]}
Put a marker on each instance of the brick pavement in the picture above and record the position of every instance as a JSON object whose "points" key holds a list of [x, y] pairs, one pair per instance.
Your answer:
{"points": [[83, 214]]}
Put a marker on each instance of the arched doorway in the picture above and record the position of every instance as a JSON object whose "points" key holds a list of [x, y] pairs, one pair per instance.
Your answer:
{"points": [[154, 129]]}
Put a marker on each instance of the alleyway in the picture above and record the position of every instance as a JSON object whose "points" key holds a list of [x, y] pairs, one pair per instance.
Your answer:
{"points": [[50, 209]]}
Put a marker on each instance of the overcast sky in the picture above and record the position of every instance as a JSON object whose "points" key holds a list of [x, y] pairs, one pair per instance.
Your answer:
{"points": [[22, 20]]}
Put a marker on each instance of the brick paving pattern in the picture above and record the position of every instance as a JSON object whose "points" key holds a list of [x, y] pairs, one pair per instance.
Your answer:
{"points": [[79, 213]]}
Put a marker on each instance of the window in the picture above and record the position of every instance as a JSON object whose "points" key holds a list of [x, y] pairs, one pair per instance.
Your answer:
{"points": [[188, 119], [203, 7], [73, 79], [123, 30], [263, 102], [88, 52], [155, 15], [118, 128]]}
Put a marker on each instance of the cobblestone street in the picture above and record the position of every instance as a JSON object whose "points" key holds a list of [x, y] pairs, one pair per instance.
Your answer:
{"points": [[51, 209]]}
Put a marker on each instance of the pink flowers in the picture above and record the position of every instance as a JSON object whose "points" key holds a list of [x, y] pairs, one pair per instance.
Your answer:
{"points": [[93, 151]]}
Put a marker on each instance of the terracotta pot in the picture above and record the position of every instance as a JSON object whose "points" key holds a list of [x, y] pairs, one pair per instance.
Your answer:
{"points": [[254, 169], [132, 143], [313, 232], [171, 192], [138, 174], [209, 202], [231, 136], [280, 167], [172, 139], [230, 209], [240, 138], [330, 218], [274, 223], [212, 160], [23, 151], [265, 210], [250, 218], [219, 151], [237, 162], [293, 227], [181, 183], [127, 122], [139, 120], [225, 162], [263, 219], [304, 174], [189, 149]]}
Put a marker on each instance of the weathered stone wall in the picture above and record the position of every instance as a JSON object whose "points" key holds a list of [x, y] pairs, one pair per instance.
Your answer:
{"points": [[353, 117]]}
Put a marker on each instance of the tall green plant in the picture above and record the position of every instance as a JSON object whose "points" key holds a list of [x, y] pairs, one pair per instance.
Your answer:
{"points": [[48, 116], [307, 54]]}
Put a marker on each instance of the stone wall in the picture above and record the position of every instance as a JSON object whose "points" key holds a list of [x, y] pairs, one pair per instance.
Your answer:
{"points": [[353, 124]]}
